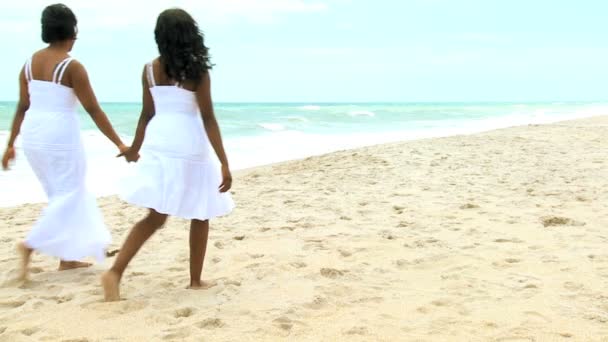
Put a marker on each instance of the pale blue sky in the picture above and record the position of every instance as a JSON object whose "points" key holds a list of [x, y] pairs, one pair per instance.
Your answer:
{"points": [[340, 50]]}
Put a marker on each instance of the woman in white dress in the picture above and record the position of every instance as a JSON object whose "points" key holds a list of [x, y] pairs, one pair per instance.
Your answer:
{"points": [[51, 85], [177, 174]]}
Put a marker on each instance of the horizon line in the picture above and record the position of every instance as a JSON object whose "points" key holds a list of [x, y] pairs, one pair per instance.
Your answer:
{"points": [[371, 102]]}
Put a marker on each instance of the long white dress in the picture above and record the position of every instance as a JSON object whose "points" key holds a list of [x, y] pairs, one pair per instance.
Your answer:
{"points": [[177, 173], [71, 226]]}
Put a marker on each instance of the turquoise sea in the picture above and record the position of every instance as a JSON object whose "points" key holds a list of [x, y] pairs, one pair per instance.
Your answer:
{"points": [[262, 133]]}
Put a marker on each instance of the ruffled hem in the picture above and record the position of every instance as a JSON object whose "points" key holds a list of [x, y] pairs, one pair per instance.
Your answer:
{"points": [[179, 187], [71, 228]]}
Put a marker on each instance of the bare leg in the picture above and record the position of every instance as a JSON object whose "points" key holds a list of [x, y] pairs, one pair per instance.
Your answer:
{"points": [[65, 265], [199, 234], [140, 233], [25, 253]]}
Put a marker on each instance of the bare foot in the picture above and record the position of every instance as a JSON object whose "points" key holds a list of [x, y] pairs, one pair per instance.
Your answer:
{"points": [[70, 265], [111, 286], [201, 285], [25, 253]]}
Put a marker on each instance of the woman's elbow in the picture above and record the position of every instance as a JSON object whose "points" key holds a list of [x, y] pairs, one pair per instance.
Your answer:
{"points": [[22, 107]]}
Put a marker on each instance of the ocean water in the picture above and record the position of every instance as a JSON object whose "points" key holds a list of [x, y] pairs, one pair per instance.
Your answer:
{"points": [[262, 133]]}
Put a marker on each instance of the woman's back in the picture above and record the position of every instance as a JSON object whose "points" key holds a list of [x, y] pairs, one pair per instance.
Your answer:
{"points": [[170, 97], [177, 127], [49, 93], [51, 119]]}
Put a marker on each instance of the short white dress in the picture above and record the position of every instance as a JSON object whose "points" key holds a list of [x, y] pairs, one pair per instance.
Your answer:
{"points": [[177, 173], [71, 226]]}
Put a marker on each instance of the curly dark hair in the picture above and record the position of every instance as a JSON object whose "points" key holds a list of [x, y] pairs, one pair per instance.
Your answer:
{"points": [[181, 45], [58, 23]]}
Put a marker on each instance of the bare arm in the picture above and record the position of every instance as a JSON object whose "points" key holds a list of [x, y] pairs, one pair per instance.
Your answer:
{"points": [[203, 96], [147, 112], [84, 92], [22, 106]]}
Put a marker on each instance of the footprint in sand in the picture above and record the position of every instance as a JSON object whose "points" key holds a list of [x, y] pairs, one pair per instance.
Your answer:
{"points": [[469, 206], [284, 323], [211, 323], [331, 273], [297, 264], [130, 306], [509, 262], [30, 331], [398, 209], [357, 331], [422, 310], [555, 221], [317, 303], [62, 299], [512, 260], [441, 303], [387, 235], [184, 312], [232, 282], [514, 240], [344, 253], [601, 318], [401, 263], [36, 270], [177, 334]]}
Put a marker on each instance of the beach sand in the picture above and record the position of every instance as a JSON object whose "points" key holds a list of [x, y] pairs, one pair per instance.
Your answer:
{"points": [[499, 236]]}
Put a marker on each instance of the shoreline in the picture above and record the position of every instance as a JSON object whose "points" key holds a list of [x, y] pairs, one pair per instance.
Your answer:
{"points": [[236, 171]]}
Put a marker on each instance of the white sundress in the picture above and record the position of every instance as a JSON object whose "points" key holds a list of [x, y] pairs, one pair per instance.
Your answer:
{"points": [[71, 227], [177, 173]]}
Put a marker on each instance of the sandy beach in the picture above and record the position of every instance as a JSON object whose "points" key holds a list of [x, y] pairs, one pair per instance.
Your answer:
{"points": [[499, 236]]}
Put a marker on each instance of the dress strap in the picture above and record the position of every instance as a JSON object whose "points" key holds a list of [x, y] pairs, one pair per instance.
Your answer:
{"points": [[150, 75], [28, 69], [65, 67], [60, 69]]}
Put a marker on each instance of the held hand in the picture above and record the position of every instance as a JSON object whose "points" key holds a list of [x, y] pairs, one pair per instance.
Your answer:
{"points": [[123, 148], [226, 179], [8, 156], [129, 154]]}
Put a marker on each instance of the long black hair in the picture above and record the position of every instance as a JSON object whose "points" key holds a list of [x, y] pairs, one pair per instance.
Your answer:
{"points": [[181, 45], [58, 23]]}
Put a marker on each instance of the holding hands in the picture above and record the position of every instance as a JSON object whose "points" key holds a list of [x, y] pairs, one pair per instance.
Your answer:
{"points": [[129, 153]]}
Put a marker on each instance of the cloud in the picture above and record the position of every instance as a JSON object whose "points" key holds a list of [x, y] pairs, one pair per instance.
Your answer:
{"points": [[120, 14]]}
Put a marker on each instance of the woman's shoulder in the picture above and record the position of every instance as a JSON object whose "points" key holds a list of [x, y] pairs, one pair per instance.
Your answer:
{"points": [[154, 61]]}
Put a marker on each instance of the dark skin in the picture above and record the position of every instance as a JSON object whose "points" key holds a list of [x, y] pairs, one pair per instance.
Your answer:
{"points": [[144, 229], [43, 64], [75, 77]]}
